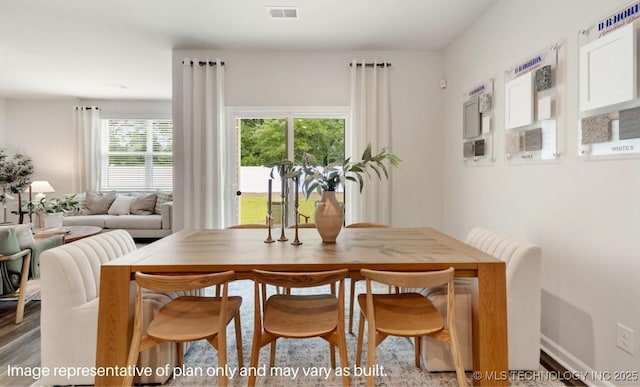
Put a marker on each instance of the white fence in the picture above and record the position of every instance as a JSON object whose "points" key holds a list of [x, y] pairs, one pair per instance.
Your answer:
{"points": [[256, 179]]}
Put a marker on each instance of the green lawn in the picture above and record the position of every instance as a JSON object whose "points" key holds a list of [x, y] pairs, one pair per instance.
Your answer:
{"points": [[253, 207]]}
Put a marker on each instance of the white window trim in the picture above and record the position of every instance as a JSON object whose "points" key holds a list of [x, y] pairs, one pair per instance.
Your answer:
{"points": [[148, 156], [290, 113]]}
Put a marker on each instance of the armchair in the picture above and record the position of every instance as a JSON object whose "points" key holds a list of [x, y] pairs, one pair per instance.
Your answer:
{"points": [[11, 270]]}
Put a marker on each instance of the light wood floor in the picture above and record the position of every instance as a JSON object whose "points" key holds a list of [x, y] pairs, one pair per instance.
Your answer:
{"points": [[19, 344]]}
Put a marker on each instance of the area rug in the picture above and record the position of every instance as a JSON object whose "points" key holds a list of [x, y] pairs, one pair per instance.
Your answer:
{"points": [[306, 362]]}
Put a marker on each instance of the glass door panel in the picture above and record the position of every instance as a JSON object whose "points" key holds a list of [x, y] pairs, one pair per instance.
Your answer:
{"points": [[265, 141], [262, 141], [324, 138]]}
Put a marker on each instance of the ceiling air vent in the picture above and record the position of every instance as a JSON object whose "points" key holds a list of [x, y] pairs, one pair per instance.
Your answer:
{"points": [[283, 12]]}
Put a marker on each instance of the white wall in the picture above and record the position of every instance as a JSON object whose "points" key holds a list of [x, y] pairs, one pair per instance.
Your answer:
{"points": [[322, 79], [43, 130], [2, 123], [583, 214]]}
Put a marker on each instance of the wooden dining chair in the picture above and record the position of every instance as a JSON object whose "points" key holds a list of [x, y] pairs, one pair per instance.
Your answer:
{"points": [[186, 318], [298, 316], [354, 280], [407, 315]]}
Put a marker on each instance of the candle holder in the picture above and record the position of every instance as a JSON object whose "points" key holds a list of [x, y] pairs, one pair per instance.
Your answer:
{"points": [[296, 241], [283, 213], [269, 222]]}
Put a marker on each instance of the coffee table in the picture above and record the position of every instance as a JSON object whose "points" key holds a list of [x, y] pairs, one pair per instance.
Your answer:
{"points": [[70, 233], [79, 232]]}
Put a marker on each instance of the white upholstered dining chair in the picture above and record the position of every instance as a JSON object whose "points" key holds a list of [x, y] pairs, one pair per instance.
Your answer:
{"points": [[523, 265]]}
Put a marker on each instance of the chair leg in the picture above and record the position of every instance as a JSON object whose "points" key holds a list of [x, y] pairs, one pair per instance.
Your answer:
{"points": [[457, 358], [344, 360], [180, 354], [132, 359], [371, 357], [417, 345], [272, 354], [332, 355], [238, 328], [360, 339], [255, 355], [352, 294], [219, 341], [24, 278]]}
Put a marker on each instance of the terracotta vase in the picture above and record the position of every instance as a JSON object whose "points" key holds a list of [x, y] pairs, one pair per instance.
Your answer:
{"points": [[329, 217]]}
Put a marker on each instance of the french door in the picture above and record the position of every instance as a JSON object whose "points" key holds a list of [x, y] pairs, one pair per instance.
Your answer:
{"points": [[267, 137]]}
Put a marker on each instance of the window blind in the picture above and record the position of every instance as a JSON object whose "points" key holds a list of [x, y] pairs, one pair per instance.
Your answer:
{"points": [[137, 154]]}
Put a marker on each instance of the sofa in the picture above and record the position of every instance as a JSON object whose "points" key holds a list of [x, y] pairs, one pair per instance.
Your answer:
{"points": [[69, 309], [523, 271], [143, 215]]}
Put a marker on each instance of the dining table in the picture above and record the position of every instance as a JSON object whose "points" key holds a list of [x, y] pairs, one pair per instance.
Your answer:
{"points": [[243, 250]]}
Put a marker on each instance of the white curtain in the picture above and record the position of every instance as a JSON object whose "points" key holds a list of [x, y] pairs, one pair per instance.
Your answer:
{"points": [[370, 123], [87, 148], [206, 168]]}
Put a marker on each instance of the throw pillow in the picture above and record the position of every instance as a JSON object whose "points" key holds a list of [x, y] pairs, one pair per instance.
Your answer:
{"points": [[162, 198], [98, 203], [9, 244], [144, 204], [81, 198], [121, 206], [25, 236]]}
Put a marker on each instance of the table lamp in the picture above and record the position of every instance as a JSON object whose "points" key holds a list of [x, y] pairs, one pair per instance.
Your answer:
{"points": [[40, 187]]}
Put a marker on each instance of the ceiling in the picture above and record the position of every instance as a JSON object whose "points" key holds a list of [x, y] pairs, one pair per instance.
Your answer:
{"points": [[122, 48]]}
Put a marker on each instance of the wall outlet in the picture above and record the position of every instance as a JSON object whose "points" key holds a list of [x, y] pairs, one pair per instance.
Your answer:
{"points": [[624, 338]]}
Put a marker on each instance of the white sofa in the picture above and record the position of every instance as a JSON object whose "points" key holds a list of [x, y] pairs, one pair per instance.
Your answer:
{"points": [[69, 310], [523, 267], [156, 225]]}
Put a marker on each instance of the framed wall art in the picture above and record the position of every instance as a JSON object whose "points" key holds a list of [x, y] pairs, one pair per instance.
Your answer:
{"points": [[609, 104], [477, 125], [532, 95]]}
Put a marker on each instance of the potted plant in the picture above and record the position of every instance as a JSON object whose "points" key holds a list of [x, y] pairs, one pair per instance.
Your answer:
{"points": [[15, 176], [325, 179], [53, 210]]}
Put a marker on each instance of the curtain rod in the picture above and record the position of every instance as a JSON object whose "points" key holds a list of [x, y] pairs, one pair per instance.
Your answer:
{"points": [[371, 64], [87, 108], [210, 63]]}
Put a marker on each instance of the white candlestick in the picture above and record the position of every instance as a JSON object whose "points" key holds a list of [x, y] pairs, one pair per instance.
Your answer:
{"points": [[296, 203], [269, 198]]}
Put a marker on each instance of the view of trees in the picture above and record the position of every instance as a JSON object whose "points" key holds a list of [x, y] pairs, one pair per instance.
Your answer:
{"points": [[264, 140]]}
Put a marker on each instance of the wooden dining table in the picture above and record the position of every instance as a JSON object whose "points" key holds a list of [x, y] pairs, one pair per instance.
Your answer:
{"points": [[242, 250]]}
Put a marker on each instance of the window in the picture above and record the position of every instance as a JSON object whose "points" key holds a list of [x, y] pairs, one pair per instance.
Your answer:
{"points": [[137, 154]]}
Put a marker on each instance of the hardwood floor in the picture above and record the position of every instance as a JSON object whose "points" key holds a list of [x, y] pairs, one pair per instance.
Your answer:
{"points": [[19, 344]]}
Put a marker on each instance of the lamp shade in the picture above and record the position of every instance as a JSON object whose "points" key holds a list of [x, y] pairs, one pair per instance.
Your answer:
{"points": [[41, 186]]}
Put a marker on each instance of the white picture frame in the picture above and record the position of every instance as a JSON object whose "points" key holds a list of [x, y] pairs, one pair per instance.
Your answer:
{"points": [[608, 67], [518, 102], [471, 119]]}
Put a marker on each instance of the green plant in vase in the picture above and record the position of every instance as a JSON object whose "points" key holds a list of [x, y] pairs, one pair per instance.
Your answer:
{"points": [[326, 178], [52, 210]]}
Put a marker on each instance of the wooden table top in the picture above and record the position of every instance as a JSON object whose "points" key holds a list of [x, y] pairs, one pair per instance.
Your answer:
{"points": [[244, 249]]}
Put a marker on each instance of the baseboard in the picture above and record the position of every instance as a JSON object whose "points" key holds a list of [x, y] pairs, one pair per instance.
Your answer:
{"points": [[570, 366]]}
